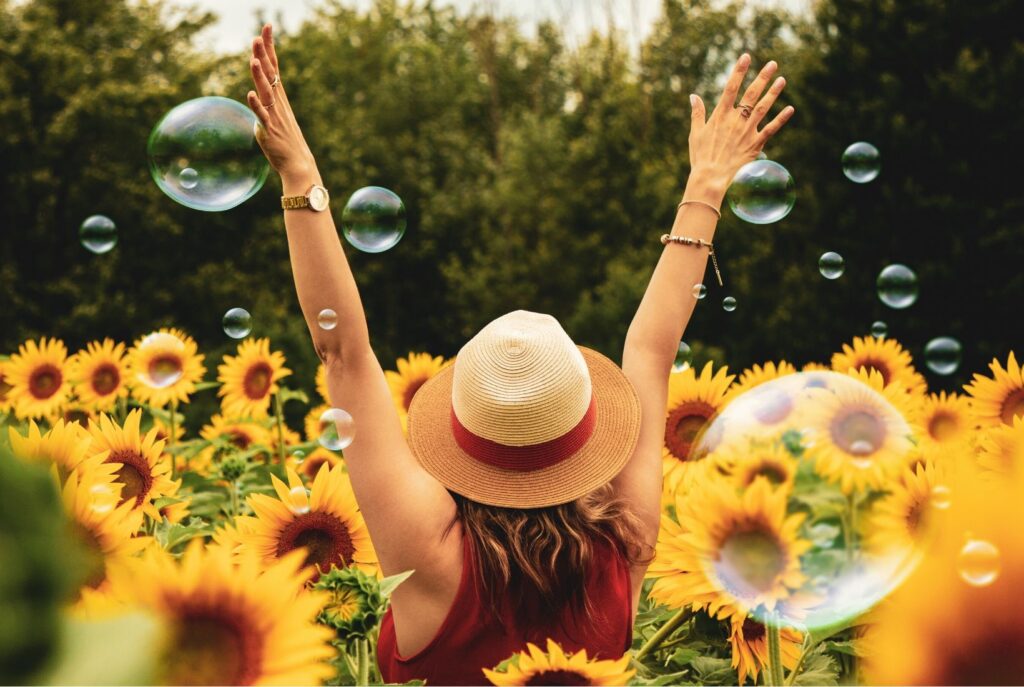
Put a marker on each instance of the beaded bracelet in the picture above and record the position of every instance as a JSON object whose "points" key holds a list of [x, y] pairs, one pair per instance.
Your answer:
{"points": [[687, 241]]}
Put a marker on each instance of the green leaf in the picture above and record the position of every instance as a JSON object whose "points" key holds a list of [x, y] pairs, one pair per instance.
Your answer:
{"points": [[115, 651], [178, 534], [714, 671], [293, 395], [203, 386], [389, 584], [820, 634], [682, 657], [818, 669], [848, 647]]}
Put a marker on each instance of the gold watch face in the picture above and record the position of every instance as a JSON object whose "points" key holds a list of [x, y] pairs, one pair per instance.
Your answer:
{"points": [[318, 198]]}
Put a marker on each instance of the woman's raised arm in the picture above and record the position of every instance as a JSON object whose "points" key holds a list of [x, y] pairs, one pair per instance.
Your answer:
{"points": [[405, 508], [719, 146]]}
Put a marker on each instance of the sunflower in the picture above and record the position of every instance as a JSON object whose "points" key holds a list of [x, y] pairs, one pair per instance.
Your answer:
{"points": [[175, 511], [164, 367], [861, 437], [250, 378], [5, 388], [104, 529], [815, 367], [66, 446], [99, 374], [1001, 448], [749, 641], [692, 402], [999, 398], [770, 461], [946, 422], [886, 356], [325, 520], [904, 519], [731, 551], [413, 372], [74, 412], [142, 472], [229, 434], [321, 383], [312, 423], [556, 667], [37, 378], [757, 375], [228, 623], [163, 431], [291, 438], [309, 465]]}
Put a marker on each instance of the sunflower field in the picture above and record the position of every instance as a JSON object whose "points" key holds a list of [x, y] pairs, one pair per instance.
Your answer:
{"points": [[137, 552]]}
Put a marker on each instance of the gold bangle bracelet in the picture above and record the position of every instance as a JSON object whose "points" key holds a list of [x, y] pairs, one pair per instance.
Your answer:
{"points": [[700, 202]]}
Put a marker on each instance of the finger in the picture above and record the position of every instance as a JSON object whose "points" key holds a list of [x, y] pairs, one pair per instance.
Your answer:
{"points": [[697, 113], [256, 106], [772, 127], [263, 89], [732, 86], [268, 45], [757, 86], [260, 53], [765, 104]]}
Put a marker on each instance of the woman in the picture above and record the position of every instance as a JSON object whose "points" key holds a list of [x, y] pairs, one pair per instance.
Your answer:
{"points": [[527, 498]]}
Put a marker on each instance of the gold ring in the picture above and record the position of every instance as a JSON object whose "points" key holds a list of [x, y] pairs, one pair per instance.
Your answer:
{"points": [[272, 103], [745, 111], [277, 80]]}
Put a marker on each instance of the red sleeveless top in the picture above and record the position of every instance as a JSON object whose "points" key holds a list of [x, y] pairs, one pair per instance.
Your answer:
{"points": [[470, 638]]}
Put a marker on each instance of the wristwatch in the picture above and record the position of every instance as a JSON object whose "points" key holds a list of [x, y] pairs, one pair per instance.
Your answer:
{"points": [[316, 199]]}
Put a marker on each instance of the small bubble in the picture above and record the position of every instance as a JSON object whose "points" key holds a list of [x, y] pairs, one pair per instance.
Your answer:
{"points": [[861, 162], [298, 500], [188, 178], [683, 357], [338, 429], [879, 329], [942, 355], [98, 234], [897, 286], [978, 563], [298, 456], [941, 497], [237, 323], [166, 360], [762, 156], [728, 304], [327, 319], [699, 291], [373, 220], [831, 265]]}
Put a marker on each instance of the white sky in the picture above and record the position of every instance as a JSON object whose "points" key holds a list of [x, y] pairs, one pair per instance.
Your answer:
{"points": [[237, 18]]}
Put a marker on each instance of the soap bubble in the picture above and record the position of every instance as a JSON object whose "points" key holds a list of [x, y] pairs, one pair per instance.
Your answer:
{"points": [[237, 323], [298, 456], [762, 192], [879, 329], [298, 500], [978, 563], [762, 156], [98, 234], [204, 155], [942, 497], [338, 429], [861, 162], [373, 219], [942, 355], [165, 360], [728, 304], [831, 265], [327, 319], [699, 291], [789, 501], [897, 286], [684, 355]]}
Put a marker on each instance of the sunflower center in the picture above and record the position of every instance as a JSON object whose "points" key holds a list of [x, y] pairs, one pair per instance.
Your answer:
{"points": [[4, 388], [879, 366], [773, 406], [93, 563], [775, 474], [212, 648], [749, 563], [164, 370], [311, 466], [410, 391], [44, 381], [258, 379], [994, 655], [943, 426], [134, 474], [753, 630], [858, 432], [105, 379], [558, 677], [1013, 406], [239, 438], [915, 516], [684, 426], [324, 536], [76, 415]]}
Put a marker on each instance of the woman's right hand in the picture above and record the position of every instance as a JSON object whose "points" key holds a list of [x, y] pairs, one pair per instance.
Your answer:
{"points": [[280, 136], [729, 138]]}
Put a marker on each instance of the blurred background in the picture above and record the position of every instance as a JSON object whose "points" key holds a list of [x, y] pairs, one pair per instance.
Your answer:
{"points": [[540, 149]]}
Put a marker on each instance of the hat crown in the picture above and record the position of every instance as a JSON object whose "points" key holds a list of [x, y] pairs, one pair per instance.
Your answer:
{"points": [[520, 381]]}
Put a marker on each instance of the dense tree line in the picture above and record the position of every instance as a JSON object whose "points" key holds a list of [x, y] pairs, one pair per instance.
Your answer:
{"points": [[536, 176]]}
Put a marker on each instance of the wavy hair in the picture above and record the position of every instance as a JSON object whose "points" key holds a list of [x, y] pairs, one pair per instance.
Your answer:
{"points": [[545, 553]]}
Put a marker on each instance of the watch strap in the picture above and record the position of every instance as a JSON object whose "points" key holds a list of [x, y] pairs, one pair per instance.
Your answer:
{"points": [[294, 202]]}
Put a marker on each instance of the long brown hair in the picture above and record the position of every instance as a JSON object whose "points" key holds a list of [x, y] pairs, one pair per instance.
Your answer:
{"points": [[545, 553]]}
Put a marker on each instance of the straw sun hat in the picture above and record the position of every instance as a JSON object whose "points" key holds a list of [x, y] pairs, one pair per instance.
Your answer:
{"points": [[525, 418]]}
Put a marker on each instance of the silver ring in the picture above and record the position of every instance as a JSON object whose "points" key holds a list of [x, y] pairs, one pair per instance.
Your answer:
{"points": [[277, 80]]}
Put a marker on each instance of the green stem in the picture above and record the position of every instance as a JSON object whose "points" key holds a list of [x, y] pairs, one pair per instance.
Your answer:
{"points": [[279, 417], [774, 674], [170, 439], [364, 662], [681, 616], [234, 498], [122, 409], [804, 653], [851, 523]]}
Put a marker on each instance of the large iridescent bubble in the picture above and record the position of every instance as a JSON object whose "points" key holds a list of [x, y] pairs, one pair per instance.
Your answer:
{"points": [[805, 502], [762, 192], [204, 155]]}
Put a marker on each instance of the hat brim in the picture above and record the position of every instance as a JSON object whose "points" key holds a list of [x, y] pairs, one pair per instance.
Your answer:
{"points": [[601, 458]]}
